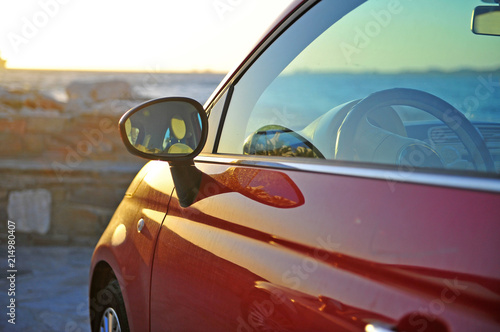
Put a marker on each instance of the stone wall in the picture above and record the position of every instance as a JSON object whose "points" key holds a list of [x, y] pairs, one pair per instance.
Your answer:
{"points": [[63, 167], [49, 209]]}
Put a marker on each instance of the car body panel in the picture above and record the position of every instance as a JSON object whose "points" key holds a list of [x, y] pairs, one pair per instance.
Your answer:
{"points": [[371, 259], [130, 252], [283, 244], [131, 261]]}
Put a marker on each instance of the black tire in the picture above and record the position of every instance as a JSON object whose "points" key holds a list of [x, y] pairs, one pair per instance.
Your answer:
{"points": [[110, 307]]}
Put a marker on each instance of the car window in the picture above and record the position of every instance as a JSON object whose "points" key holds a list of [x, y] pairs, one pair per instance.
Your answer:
{"points": [[391, 82]]}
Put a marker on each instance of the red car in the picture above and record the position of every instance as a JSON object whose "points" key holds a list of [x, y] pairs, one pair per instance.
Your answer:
{"points": [[345, 177]]}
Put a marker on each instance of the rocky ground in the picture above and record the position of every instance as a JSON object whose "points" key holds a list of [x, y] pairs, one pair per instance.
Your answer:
{"points": [[63, 167], [50, 289]]}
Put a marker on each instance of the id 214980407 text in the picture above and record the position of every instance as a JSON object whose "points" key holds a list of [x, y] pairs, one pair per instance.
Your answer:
{"points": [[11, 271]]}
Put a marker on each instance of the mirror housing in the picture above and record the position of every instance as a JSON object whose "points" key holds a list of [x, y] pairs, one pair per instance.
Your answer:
{"points": [[168, 129], [486, 20]]}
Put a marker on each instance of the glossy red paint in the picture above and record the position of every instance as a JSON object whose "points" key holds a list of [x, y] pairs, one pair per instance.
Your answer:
{"points": [[361, 264], [280, 249], [129, 253], [130, 261]]}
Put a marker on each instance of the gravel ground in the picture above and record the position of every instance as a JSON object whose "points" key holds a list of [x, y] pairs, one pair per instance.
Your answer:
{"points": [[51, 287]]}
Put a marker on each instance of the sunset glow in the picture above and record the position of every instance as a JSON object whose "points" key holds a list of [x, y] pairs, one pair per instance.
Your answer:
{"points": [[149, 35]]}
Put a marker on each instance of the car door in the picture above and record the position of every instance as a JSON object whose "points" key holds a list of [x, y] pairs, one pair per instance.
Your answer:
{"points": [[285, 237]]}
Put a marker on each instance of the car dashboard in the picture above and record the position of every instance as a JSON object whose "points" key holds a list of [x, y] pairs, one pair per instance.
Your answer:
{"points": [[450, 147]]}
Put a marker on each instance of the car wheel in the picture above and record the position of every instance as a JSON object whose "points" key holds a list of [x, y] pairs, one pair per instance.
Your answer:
{"points": [[111, 316]]}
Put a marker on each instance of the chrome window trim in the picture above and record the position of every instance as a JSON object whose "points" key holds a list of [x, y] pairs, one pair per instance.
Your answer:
{"points": [[392, 176], [275, 31]]}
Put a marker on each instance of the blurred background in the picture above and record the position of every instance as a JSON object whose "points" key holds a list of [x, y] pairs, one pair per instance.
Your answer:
{"points": [[68, 70]]}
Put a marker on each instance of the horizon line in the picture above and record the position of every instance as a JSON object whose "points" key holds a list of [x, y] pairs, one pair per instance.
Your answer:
{"points": [[138, 71], [216, 72]]}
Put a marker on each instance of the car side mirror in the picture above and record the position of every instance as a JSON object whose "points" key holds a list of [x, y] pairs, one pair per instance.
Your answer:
{"points": [[168, 129], [486, 20]]}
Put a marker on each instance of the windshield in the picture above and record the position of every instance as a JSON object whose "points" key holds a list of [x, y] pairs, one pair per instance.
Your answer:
{"points": [[425, 45], [336, 56]]}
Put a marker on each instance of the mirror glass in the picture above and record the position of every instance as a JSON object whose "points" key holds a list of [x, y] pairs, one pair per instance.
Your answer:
{"points": [[486, 20], [275, 140], [166, 128]]}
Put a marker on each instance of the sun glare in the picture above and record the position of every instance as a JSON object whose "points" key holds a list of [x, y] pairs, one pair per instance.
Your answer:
{"points": [[131, 35]]}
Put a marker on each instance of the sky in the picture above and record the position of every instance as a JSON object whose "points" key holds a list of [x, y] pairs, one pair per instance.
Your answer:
{"points": [[145, 35], [215, 35], [403, 35]]}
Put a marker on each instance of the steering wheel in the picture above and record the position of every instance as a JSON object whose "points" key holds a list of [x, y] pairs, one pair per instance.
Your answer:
{"points": [[449, 115]]}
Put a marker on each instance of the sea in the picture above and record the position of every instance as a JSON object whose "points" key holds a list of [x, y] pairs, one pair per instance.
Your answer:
{"points": [[146, 85], [477, 94]]}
